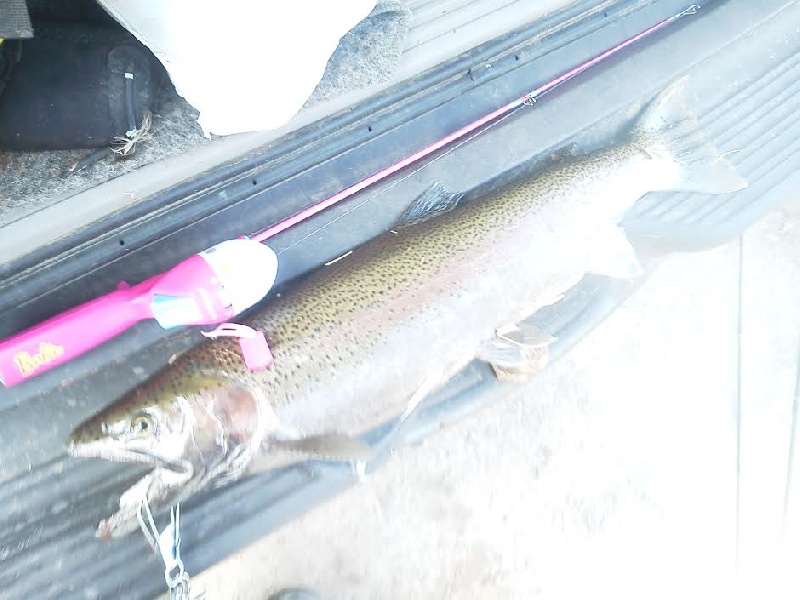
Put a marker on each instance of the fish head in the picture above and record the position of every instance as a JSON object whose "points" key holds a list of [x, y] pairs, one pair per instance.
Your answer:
{"points": [[151, 425], [179, 421]]}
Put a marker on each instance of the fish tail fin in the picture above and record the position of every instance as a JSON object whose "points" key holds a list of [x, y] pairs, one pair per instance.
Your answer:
{"points": [[669, 133]]}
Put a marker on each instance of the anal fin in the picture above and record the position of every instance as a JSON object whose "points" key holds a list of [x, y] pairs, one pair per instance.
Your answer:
{"points": [[517, 352]]}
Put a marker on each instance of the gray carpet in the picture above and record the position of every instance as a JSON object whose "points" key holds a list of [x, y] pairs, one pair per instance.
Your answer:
{"points": [[32, 180], [367, 55]]}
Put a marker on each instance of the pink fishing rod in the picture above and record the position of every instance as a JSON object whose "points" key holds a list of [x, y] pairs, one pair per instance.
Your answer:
{"points": [[219, 283]]}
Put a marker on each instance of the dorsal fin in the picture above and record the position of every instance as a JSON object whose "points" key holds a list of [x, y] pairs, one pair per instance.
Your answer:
{"points": [[437, 199]]}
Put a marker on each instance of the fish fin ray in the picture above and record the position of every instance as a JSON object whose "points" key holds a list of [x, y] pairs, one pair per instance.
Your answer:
{"points": [[668, 130], [397, 432], [435, 200], [391, 438], [334, 447]]}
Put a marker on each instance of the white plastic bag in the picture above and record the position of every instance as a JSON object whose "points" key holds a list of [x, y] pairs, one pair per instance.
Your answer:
{"points": [[246, 65]]}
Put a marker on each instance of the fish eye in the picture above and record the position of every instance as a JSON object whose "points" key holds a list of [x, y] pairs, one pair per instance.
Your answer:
{"points": [[143, 424]]}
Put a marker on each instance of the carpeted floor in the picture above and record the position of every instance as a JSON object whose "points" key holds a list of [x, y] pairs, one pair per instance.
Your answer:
{"points": [[31, 180]]}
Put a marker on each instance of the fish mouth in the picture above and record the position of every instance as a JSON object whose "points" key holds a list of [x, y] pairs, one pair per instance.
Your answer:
{"points": [[102, 450]]}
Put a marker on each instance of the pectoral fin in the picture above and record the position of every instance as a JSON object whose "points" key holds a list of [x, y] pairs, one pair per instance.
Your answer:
{"points": [[517, 352], [395, 434], [326, 446], [614, 256]]}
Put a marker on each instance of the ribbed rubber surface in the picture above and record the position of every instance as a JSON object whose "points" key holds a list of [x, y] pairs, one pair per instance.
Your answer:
{"points": [[442, 29], [50, 509], [759, 126]]}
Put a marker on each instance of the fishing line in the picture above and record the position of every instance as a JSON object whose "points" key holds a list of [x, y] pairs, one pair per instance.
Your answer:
{"points": [[399, 181], [497, 115]]}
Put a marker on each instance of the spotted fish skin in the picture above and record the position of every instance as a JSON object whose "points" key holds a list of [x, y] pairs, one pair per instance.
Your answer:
{"points": [[354, 340]]}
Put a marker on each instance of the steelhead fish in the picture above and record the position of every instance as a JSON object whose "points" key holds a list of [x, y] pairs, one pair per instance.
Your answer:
{"points": [[356, 340]]}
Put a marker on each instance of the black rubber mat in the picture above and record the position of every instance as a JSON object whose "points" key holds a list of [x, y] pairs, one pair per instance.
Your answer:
{"points": [[742, 57]]}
